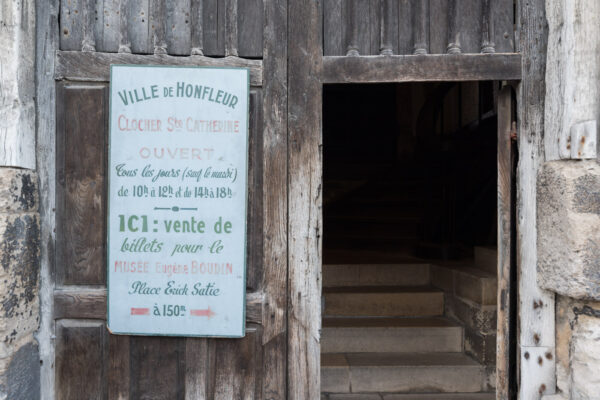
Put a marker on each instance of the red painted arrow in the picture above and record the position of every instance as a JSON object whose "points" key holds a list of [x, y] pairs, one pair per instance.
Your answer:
{"points": [[140, 311], [202, 313]]}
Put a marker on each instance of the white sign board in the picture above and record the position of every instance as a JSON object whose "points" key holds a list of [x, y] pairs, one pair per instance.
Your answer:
{"points": [[177, 201]]}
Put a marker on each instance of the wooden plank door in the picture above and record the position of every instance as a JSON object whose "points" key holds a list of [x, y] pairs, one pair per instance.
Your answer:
{"points": [[91, 363]]}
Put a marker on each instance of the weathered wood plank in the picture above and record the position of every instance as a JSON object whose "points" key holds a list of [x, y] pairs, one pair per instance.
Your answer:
{"points": [[237, 373], [304, 204], [124, 42], [81, 174], [197, 30], [118, 369], [255, 194], [196, 368], [157, 40], [88, 42], [350, 24], [213, 27], [332, 28], [275, 194], [108, 25], [80, 347], [375, 24], [422, 68], [536, 307], [138, 23], [454, 20], [71, 26], [231, 28], [78, 303], [47, 42], [95, 67], [487, 28], [179, 30], [470, 26], [505, 212], [503, 17], [250, 28], [421, 30], [405, 27], [157, 366], [389, 28], [438, 26]]}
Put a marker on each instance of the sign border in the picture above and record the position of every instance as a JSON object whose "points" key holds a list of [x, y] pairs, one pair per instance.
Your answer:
{"points": [[110, 93]]}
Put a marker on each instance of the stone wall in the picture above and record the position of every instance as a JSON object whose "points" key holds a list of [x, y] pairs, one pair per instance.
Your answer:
{"points": [[19, 214]]}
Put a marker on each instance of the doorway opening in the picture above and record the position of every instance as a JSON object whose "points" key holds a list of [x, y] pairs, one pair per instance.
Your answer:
{"points": [[409, 239]]}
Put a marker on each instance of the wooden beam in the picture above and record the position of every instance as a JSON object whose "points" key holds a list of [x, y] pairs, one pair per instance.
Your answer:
{"points": [[95, 67], [305, 56], [422, 68], [91, 304]]}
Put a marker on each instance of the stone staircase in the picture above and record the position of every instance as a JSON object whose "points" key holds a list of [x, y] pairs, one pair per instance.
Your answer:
{"points": [[397, 331]]}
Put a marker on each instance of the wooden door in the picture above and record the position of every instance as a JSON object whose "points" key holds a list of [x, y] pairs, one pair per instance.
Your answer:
{"points": [[87, 362]]}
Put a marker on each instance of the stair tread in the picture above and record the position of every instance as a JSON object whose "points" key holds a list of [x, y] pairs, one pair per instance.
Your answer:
{"points": [[397, 360], [405, 396], [385, 322], [381, 289]]}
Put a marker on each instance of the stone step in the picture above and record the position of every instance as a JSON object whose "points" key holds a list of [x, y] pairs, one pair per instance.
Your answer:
{"points": [[393, 335], [383, 301], [486, 258], [375, 275], [403, 396], [400, 372], [466, 282]]}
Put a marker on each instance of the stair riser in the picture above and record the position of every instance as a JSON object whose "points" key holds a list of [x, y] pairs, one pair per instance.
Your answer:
{"points": [[382, 379], [393, 340], [373, 275], [404, 304]]}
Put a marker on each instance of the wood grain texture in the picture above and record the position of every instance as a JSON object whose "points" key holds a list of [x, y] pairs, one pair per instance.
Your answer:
{"points": [[157, 368], [138, 22], [254, 224], [157, 35], [89, 18], [213, 27], [231, 27], [250, 28], [197, 29], [118, 373], [505, 204], [95, 67], [305, 190], [179, 27], [454, 29], [332, 28], [503, 17], [389, 28], [197, 367], [275, 194], [536, 323], [438, 26], [421, 30], [71, 25], [80, 350], [47, 40], [375, 69], [405, 27], [81, 174]]}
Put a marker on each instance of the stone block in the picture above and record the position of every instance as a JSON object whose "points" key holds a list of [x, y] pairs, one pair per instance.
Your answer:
{"points": [[481, 347], [568, 226], [475, 316]]}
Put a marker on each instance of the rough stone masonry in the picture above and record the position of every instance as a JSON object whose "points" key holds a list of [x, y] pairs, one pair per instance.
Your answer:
{"points": [[19, 216]]}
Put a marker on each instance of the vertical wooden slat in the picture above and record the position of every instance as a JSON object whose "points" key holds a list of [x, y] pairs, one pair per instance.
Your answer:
{"points": [[503, 17], [178, 27], [138, 22], [332, 28], [275, 195], [438, 26], [351, 23], [487, 28], [80, 214], [250, 28], [231, 28], [375, 25], [213, 28], [155, 368], [88, 42], [124, 42], [405, 27], [389, 26], [196, 368], [157, 28], [79, 360], [255, 194], [422, 27], [118, 380], [108, 14], [197, 30], [505, 244], [454, 37], [305, 184], [470, 25], [71, 25]]}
